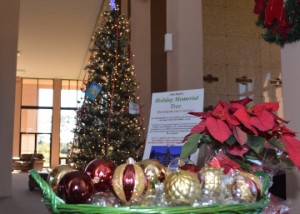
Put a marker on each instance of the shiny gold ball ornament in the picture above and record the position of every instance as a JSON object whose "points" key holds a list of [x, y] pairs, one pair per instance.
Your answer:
{"points": [[182, 188], [244, 189], [154, 171], [57, 173], [129, 181], [256, 180], [211, 178]]}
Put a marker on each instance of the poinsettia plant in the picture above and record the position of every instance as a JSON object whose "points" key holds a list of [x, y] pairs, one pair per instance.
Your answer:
{"points": [[245, 135]]}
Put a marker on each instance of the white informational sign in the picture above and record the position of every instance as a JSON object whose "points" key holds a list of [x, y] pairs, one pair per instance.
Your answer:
{"points": [[170, 123]]}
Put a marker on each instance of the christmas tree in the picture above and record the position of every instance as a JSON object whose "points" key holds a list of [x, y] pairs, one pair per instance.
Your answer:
{"points": [[167, 157], [109, 124]]}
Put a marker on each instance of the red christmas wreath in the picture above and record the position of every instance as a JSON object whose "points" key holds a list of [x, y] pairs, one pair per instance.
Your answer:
{"points": [[280, 19]]}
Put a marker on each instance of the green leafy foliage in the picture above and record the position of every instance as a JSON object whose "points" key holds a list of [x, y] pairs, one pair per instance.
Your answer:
{"points": [[231, 140], [191, 146], [280, 32], [256, 143]]}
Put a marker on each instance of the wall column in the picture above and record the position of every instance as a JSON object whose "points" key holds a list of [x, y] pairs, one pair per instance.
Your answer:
{"points": [[17, 118], [9, 21], [291, 105], [185, 62], [55, 143], [141, 48]]}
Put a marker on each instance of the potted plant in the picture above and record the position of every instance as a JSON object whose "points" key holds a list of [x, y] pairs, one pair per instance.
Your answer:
{"points": [[244, 137]]}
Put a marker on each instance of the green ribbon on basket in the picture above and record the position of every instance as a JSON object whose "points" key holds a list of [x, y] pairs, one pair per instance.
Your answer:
{"points": [[49, 197], [57, 205]]}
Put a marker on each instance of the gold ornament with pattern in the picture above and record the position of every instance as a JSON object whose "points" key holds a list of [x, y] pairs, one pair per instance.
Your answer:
{"points": [[182, 187], [211, 178]]}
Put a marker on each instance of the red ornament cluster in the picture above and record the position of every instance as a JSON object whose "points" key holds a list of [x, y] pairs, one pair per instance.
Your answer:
{"points": [[77, 187], [101, 172]]}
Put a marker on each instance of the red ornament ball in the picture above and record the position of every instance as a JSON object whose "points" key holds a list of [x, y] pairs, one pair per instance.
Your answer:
{"points": [[190, 167], [101, 172], [75, 187]]}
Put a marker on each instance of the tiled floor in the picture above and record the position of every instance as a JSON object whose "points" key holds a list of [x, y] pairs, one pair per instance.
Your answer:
{"points": [[22, 200]]}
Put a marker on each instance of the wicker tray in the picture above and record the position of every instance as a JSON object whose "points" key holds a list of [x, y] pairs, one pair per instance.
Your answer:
{"points": [[57, 205]]}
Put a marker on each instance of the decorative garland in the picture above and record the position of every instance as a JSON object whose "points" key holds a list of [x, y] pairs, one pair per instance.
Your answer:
{"points": [[280, 19]]}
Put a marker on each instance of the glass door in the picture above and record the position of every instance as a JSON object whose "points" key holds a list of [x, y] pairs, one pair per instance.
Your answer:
{"points": [[37, 143]]}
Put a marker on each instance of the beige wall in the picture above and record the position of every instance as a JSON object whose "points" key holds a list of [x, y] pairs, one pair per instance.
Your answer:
{"points": [[185, 62], [291, 100], [141, 48], [9, 20], [233, 48]]}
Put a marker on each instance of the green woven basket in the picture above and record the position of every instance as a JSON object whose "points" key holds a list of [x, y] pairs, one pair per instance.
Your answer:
{"points": [[57, 205]]}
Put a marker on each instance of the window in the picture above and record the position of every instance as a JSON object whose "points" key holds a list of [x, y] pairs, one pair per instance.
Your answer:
{"points": [[71, 99], [36, 117]]}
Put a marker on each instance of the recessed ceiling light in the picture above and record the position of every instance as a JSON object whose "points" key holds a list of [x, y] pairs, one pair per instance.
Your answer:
{"points": [[18, 53]]}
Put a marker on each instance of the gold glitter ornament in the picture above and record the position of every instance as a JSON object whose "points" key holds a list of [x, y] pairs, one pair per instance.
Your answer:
{"points": [[211, 178], [256, 180], [57, 173], [154, 171], [244, 189], [182, 188]]}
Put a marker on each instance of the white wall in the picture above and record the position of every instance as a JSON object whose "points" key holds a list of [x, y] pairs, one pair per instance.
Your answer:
{"points": [[290, 60], [9, 19]]}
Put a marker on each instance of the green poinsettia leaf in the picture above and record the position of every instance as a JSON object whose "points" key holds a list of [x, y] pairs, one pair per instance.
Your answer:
{"points": [[206, 138], [279, 144], [231, 140], [190, 147], [252, 156], [256, 143], [244, 164]]}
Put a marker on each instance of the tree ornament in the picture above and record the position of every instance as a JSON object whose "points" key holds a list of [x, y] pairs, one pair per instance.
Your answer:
{"points": [[176, 163], [75, 187], [256, 180], [190, 167], [154, 171], [182, 188], [244, 189], [129, 181], [101, 172], [57, 173], [211, 178], [105, 199]]}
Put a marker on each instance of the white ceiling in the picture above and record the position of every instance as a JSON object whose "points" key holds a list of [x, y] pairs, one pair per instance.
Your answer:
{"points": [[54, 37]]}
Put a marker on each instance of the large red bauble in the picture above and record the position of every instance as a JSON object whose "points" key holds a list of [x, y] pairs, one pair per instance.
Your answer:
{"points": [[75, 187], [101, 172]]}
